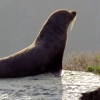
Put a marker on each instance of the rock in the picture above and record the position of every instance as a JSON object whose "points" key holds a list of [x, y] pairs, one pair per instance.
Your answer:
{"points": [[49, 87], [92, 95]]}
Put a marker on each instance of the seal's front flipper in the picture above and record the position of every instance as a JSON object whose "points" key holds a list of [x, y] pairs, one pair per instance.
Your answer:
{"points": [[59, 73]]}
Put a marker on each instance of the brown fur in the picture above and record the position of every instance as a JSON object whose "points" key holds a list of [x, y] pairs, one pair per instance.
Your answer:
{"points": [[45, 53]]}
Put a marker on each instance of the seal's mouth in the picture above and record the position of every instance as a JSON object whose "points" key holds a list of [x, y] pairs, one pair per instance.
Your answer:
{"points": [[73, 19]]}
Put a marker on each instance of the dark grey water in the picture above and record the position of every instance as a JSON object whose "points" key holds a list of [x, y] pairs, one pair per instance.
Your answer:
{"points": [[21, 20]]}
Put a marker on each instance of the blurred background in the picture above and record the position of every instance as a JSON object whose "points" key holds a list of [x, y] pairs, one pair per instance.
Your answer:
{"points": [[21, 20]]}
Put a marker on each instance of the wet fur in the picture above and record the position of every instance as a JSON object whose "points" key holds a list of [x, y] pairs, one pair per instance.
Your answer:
{"points": [[45, 53]]}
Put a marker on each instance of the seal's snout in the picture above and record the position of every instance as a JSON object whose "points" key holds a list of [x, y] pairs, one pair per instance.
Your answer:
{"points": [[73, 18], [73, 13]]}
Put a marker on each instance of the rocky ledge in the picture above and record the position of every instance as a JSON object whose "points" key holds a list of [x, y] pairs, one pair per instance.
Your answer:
{"points": [[49, 87]]}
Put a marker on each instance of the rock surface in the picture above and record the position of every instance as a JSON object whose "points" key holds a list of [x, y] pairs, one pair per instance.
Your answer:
{"points": [[49, 87]]}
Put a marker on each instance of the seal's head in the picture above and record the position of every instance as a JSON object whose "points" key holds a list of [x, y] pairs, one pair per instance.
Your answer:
{"points": [[63, 17]]}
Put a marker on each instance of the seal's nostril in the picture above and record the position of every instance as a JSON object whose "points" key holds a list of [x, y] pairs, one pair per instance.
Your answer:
{"points": [[73, 13]]}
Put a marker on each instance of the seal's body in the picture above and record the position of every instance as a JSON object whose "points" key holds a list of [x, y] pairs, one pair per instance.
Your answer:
{"points": [[46, 52]]}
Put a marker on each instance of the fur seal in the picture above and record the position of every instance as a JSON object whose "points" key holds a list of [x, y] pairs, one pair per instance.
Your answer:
{"points": [[45, 53]]}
